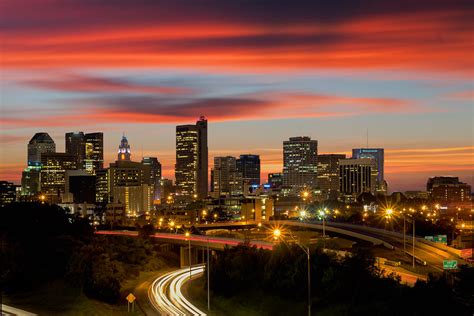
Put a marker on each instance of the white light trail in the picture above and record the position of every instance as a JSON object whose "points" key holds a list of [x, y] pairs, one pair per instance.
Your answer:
{"points": [[165, 292]]}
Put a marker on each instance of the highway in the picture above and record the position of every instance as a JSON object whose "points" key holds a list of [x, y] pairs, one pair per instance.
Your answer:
{"points": [[430, 253], [165, 292], [217, 243]]}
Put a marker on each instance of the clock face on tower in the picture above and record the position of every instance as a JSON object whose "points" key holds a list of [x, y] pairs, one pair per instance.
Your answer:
{"points": [[124, 152]]}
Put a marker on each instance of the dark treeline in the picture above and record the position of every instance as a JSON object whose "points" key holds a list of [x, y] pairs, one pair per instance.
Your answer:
{"points": [[352, 286], [41, 243]]}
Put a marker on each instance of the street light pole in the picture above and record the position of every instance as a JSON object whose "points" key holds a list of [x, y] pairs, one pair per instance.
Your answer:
{"points": [[309, 283], [189, 242], [188, 236], [276, 236], [404, 235], [208, 271], [413, 242], [324, 226]]}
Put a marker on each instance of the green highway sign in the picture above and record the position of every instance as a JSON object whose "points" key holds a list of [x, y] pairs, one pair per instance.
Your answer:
{"points": [[429, 238], [450, 264], [442, 239]]}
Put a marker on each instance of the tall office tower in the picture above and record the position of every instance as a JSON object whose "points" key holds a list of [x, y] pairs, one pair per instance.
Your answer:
{"points": [[53, 173], [249, 166], [94, 152], [356, 176], [102, 189], [328, 175], [75, 146], [378, 155], [39, 144], [129, 183], [300, 158], [124, 152], [191, 168], [155, 175], [275, 180], [226, 179], [30, 179]]}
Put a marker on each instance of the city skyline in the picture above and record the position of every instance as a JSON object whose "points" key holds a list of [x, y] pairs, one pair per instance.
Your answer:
{"points": [[169, 167], [274, 159], [402, 71]]}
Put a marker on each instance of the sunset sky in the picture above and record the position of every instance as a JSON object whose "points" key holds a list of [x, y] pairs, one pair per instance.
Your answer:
{"points": [[261, 71]]}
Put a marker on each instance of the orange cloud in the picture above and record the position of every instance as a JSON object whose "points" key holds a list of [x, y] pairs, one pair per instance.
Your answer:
{"points": [[429, 38]]}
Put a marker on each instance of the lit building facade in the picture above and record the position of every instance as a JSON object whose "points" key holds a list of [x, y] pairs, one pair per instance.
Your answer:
{"points": [[155, 175], [225, 178], [328, 175], [30, 179], [102, 188], [191, 170], [300, 157], [379, 156], [356, 176], [7, 192], [448, 189], [94, 152], [129, 183], [53, 173]]}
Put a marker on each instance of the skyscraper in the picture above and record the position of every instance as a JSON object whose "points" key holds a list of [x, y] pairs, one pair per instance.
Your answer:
{"points": [[226, 179], [94, 152], [300, 157], [356, 176], [191, 168], [155, 174], [129, 183], [40, 143], [75, 145], [53, 173], [249, 166], [124, 152], [30, 179], [328, 175], [378, 155]]}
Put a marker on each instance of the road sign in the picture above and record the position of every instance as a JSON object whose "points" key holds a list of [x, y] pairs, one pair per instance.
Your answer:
{"points": [[442, 239], [450, 264], [429, 238], [130, 298]]}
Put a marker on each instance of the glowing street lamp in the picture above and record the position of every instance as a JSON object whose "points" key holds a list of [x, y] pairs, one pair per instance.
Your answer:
{"points": [[303, 214], [276, 233], [323, 215]]}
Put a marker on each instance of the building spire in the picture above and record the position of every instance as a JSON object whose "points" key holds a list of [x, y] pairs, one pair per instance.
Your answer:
{"points": [[124, 152]]}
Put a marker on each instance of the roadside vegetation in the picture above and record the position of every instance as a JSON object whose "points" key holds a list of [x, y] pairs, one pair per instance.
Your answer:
{"points": [[41, 245]]}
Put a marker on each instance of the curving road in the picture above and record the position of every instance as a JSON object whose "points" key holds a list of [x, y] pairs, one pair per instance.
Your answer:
{"points": [[165, 292]]}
